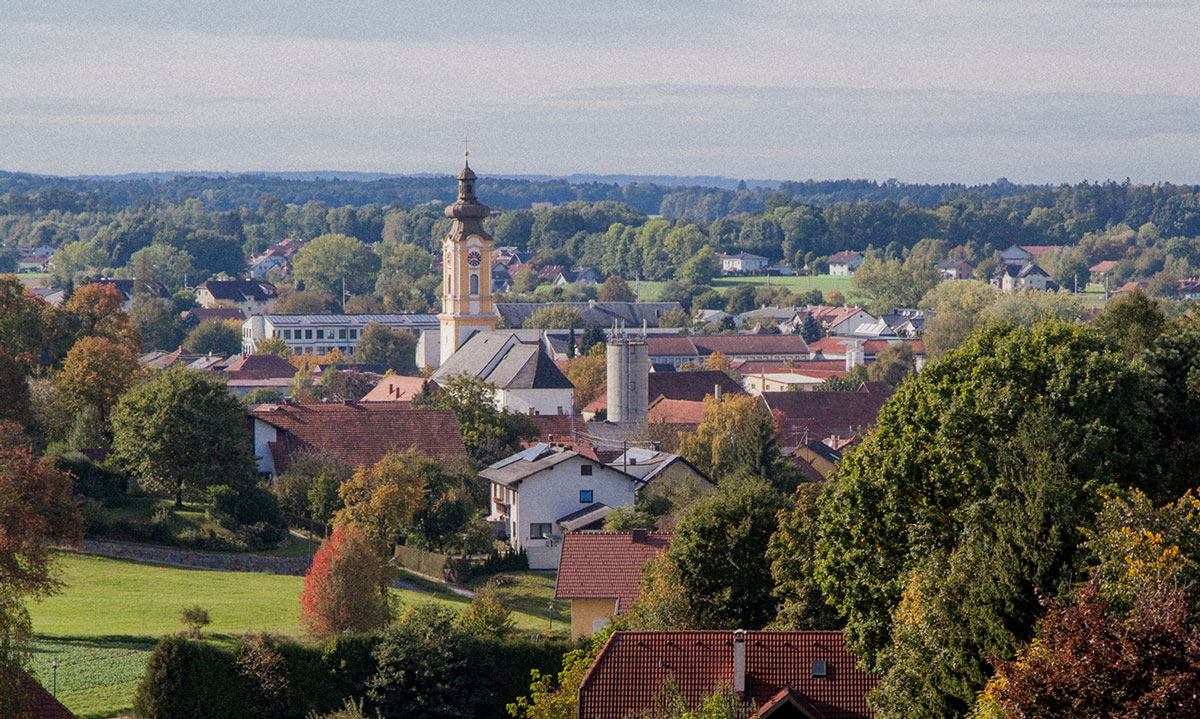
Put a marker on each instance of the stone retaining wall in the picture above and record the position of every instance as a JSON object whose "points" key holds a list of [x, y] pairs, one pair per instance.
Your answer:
{"points": [[296, 566]]}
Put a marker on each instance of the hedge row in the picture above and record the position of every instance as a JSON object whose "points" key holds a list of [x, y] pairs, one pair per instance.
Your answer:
{"points": [[272, 678]]}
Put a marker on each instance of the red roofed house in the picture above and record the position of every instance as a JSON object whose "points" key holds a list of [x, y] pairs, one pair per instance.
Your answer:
{"points": [[398, 388], [843, 264], [691, 386], [357, 433], [842, 414], [600, 572], [784, 674]]}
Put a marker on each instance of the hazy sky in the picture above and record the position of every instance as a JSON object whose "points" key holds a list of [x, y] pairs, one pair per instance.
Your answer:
{"points": [[919, 90]]}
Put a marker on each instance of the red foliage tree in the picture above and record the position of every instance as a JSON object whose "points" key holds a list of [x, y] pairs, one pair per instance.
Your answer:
{"points": [[36, 506], [344, 588], [1091, 661]]}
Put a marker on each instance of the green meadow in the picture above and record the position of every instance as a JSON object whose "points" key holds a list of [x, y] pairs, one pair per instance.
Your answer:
{"points": [[105, 622]]}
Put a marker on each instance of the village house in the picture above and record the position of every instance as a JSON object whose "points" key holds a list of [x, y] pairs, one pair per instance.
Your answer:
{"points": [[1024, 254], [275, 257], [955, 269], [543, 492], [787, 675], [398, 388], [1011, 277], [600, 573], [252, 297], [742, 263], [357, 433], [514, 361], [844, 264]]}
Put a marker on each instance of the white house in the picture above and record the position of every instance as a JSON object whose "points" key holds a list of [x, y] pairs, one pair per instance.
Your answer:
{"points": [[319, 334], [541, 493], [250, 296], [1011, 278], [742, 262], [516, 362], [843, 264]]}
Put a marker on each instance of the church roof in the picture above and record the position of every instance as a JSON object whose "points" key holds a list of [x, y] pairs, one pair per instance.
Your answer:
{"points": [[504, 358]]}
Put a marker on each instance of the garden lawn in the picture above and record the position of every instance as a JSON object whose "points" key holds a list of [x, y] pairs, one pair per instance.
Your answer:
{"points": [[107, 620]]}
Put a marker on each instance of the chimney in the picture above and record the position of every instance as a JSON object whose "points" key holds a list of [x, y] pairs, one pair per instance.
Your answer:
{"points": [[739, 662], [717, 391], [639, 536]]}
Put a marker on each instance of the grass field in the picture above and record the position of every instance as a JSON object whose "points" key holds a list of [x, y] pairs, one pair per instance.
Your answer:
{"points": [[104, 624], [825, 283]]}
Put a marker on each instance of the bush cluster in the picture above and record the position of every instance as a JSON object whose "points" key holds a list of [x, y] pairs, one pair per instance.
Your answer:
{"points": [[496, 563], [276, 678]]}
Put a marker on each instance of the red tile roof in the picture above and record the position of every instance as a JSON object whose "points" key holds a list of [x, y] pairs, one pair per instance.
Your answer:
{"points": [[840, 412], [393, 388], [260, 366], [606, 565], [676, 411], [630, 670], [670, 347], [692, 386], [557, 428], [360, 434], [749, 367], [1039, 250], [1105, 266], [750, 344]]}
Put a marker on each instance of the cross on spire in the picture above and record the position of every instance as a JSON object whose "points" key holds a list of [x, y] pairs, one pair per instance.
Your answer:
{"points": [[466, 142]]}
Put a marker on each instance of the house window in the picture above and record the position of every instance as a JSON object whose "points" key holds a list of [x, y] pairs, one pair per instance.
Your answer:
{"points": [[287, 334], [585, 496], [353, 334], [341, 334], [320, 334], [585, 470], [308, 334], [539, 531]]}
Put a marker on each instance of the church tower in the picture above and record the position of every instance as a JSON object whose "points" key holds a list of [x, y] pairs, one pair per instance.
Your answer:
{"points": [[466, 269]]}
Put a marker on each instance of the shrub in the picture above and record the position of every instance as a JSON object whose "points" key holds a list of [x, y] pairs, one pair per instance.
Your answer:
{"points": [[496, 563], [91, 479], [188, 680], [249, 506], [196, 618], [487, 614]]}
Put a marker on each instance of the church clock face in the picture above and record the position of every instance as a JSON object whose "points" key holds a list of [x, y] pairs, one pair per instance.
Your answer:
{"points": [[474, 257]]}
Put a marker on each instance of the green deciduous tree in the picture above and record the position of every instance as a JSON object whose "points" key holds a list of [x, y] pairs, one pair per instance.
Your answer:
{"points": [[74, 259], [893, 364], [325, 262], [1133, 321], [384, 345], [488, 433], [793, 554], [970, 494], [891, 283], [554, 317], [181, 432], [426, 667], [738, 437], [218, 337], [157, 321], [720, 551]]}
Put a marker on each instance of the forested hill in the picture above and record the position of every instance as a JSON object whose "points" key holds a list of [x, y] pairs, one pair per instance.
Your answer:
{"points": [[703, 199]]}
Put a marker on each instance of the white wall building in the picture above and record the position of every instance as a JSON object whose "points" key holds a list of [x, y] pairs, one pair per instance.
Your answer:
{"points": [[516, 361], [540, 493], [742, 262], [320, 334]]}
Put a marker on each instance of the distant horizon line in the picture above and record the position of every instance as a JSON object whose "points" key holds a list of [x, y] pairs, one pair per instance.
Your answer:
{"points": [[573, 178]]}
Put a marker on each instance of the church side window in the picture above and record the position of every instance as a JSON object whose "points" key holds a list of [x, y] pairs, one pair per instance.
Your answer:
{"points": [[474, 284]]}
